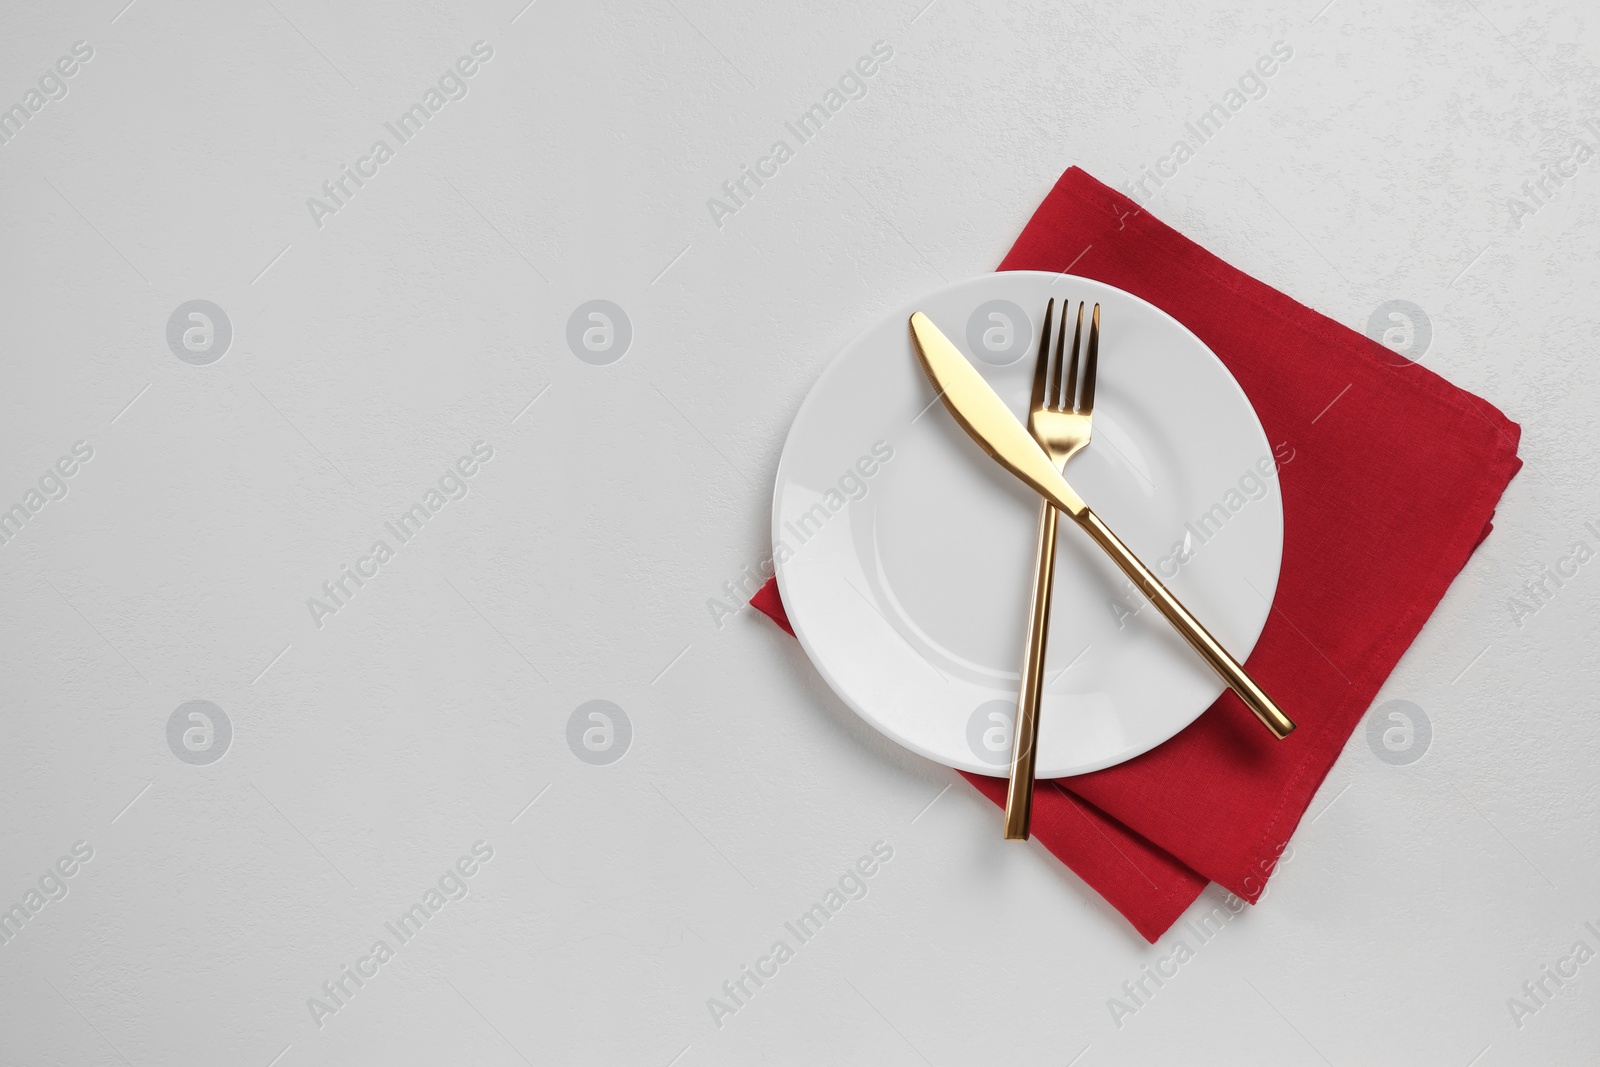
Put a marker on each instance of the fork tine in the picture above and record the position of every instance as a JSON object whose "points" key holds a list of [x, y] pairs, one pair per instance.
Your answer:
{"points": [[1090, 363], [1067, 400], [1039, 367], [1056, 384], [1055, 366]]}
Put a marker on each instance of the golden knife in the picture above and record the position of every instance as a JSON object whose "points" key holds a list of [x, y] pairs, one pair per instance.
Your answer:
{"points": [[985, 417]]}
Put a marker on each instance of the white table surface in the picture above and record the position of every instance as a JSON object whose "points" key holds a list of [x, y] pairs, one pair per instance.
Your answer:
{"points": [[367, 354]]}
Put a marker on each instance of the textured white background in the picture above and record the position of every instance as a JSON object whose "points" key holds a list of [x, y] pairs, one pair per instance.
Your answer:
{"points": [[368, 353]]}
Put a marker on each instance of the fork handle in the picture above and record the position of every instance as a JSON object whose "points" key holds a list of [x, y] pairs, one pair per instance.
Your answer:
{"points": [[1254, 697], [1024, 746]]}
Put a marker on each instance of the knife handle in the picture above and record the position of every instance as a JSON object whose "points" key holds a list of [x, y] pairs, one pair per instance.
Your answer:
{"points": [[1024, 746], [1256, 699]]}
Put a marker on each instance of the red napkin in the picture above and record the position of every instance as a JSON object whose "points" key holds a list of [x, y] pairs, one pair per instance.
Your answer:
{"points": [[1391, 483]]}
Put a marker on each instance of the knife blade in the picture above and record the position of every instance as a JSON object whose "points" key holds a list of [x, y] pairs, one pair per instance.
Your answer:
{"points": [[981, 412]]}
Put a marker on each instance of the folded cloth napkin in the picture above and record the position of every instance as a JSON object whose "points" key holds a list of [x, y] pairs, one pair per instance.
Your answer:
{"points": [[1390, 476]]}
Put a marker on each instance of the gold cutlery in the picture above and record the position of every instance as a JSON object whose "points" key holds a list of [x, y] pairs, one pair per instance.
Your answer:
{"points": [[1059, 416], [985, 417]]}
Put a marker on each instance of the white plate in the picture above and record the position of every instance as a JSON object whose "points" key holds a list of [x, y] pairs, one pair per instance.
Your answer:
{"points": [[904, 554]]}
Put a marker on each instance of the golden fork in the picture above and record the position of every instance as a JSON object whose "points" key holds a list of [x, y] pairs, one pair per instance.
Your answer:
{"points": [[1059, 416]]}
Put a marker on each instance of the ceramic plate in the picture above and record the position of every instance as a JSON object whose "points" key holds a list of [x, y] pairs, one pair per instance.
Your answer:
{"points": [[904, 553]]}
